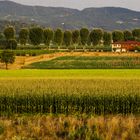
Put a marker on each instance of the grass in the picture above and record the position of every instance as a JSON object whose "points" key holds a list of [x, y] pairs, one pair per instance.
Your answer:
{"points": [[71, 74], [89, 62]]}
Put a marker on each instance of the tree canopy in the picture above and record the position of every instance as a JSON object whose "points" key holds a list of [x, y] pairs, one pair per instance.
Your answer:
{"points": [[7, 57]]}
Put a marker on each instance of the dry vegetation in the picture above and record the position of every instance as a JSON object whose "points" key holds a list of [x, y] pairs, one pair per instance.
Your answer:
{"points": [[70, 128]]}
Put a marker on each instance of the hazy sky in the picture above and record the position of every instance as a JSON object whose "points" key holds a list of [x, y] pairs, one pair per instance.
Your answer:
{"points": [[80, 4]]}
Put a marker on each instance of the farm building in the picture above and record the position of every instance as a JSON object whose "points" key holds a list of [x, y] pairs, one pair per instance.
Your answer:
{"points": [[124, 46]]}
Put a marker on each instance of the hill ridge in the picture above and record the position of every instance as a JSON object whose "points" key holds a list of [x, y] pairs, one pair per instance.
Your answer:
{"points": [[108, 18]]}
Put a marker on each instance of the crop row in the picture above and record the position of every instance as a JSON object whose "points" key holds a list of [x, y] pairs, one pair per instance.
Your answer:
{"points": [[70, 96], [87, 62]]}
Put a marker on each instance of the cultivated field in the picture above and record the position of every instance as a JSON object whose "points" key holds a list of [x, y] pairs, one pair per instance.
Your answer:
{"points": [[89, 62], [70, 91], [70, 104], [71, 74], [74, 60], [60, 96]]}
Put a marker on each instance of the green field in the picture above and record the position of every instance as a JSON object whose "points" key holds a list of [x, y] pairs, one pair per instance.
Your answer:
{"points": [[70, 91], [71, 74], [89, 62]]}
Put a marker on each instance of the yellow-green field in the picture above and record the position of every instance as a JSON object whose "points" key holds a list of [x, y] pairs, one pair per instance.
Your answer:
{"points": [[72, 74]]}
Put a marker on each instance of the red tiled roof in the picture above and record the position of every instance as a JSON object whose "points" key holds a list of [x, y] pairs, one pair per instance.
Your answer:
{"points": [[127, 42]]}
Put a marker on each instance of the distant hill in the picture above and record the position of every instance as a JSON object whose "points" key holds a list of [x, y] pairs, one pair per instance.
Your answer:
{"points": [[108, 18]]}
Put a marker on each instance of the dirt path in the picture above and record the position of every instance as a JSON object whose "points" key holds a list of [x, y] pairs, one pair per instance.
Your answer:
{"points": [[26, 60]]}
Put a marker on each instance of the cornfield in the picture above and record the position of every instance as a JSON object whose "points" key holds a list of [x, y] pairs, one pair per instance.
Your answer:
{"points": [[59, 96]]}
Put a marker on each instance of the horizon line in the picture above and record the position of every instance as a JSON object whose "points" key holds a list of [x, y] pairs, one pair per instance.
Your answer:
{"points": [[80, 9]]}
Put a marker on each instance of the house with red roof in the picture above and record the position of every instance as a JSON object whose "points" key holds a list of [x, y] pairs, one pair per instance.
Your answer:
{"points": [[125, 46]]}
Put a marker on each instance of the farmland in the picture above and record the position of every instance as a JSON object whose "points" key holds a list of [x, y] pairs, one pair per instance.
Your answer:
{"points": [[70, 104], [70, 91], [60, 96], [61, 84], [89, 62], [71, 74]]}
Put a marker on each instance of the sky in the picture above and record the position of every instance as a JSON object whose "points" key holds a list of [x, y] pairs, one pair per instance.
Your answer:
{"points": [[80, 4]]}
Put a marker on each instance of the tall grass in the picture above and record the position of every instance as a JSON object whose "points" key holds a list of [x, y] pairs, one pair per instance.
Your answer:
{"points": [[100, 96]]}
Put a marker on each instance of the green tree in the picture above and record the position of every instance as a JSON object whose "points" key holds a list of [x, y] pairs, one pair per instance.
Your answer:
{"points": [[117, 36], [11, 44], [58, 37], [67, 38], [9, 32], [75, 36], [48, 36], [84, 34], [96, 36], [7, 57], [128, 35], [107, 38], [89, 41], [36, 35], [23, 36], [136, 34], [2, 36]]}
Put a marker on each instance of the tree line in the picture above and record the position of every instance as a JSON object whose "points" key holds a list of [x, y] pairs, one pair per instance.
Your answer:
{"points": [[84, 36]]}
